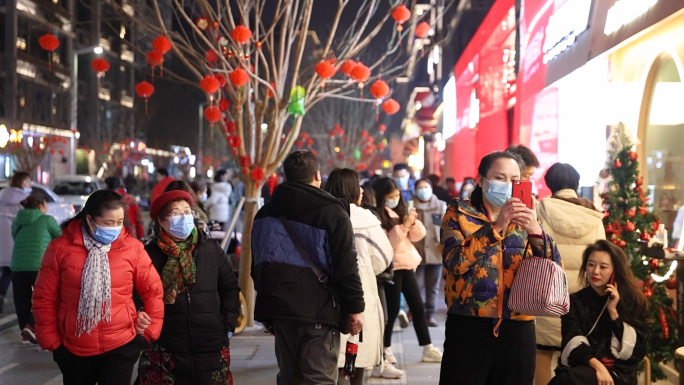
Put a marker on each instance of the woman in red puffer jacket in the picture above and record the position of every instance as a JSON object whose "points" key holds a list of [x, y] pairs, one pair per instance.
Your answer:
{"points": [[83, 297]]}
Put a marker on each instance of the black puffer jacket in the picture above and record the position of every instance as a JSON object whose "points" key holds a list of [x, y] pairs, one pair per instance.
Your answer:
{"points": [[286, 286], [196, 326], [585, 307]]}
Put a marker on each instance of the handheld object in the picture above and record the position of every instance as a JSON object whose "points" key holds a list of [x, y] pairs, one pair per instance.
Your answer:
{"points": [[522, 189], [612, 281], [409, 206]]}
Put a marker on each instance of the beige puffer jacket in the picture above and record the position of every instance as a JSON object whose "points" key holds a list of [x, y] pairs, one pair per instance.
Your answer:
{"points": [[573, 227]]}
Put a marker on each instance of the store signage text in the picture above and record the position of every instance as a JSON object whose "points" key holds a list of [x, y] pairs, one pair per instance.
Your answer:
{"points": [[624, 12], [564, 26]]}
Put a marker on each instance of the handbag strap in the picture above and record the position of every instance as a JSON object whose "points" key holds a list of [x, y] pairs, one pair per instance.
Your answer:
{"points": [[322, 277], [527, 246], [599, 317]]}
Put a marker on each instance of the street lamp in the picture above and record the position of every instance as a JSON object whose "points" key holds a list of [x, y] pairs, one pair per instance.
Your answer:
{"points": [[74, 98]]}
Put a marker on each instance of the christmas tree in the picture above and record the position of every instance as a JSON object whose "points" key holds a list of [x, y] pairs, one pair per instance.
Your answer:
{"points": [[628, 219]]}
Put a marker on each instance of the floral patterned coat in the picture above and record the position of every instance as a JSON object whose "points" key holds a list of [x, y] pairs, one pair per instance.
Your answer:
{"points": [[480, 264]]}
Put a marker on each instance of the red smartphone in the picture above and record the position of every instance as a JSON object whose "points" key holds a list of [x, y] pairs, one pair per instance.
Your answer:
{"points": [[612, 279], [522, 189]]}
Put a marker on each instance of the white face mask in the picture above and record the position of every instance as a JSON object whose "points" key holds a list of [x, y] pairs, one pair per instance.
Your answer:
{"points": [[392, 203]]}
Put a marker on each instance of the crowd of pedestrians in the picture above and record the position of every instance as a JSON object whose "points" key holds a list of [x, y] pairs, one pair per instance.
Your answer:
{"points": [[332, 260]]}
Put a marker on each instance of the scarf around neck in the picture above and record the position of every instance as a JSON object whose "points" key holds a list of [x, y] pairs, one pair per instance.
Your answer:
{"points": [[95, 301], [179, 271]]}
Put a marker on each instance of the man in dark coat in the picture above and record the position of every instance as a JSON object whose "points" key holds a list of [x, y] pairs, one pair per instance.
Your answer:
{"points": [[290, 300]]}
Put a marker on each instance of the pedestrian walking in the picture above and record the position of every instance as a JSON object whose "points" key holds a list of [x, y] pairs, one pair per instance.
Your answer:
{"points": [[403, 227], [217, 203], [201, 304], [402, 176], [430, 211], [292, 302], [484, 241], [133, 220], [83, 296], [32, 231], [374, 254], [10, 198], [605, 332], [574, 223], [163, 179]]}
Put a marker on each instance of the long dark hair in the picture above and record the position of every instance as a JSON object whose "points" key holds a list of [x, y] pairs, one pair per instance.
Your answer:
{"points": [[344, 183], [383, 187], [633, 304], [97, 203], [482, 170]]}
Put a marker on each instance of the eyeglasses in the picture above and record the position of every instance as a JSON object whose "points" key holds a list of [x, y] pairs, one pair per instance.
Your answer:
{"points": [[176, 215]]}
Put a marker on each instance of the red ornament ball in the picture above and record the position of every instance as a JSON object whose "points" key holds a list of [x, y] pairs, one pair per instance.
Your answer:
{"points": [[257, 174], [382, 128], [645, 237], [379, 89], [617, 163], [648, 293], [238, 77], [325, 69], [630, 213], [211, 56], [390, 106], [423, 30], [213, 114], [639, 180], [210, 84], [241, 34], [347, 67], [632, 155], [401, 14], [100, 65], [610, 229], [234, 141], [224, 105], [629, 227], [231, 128], [48, 42], [161, 44], [643, 211], [360, 73], [622, 243], [655, 264], [245, 161], [605, 173], [671, 283]]}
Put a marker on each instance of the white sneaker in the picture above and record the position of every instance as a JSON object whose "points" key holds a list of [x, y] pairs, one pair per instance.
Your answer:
{"points": [[403, 319], [389, 357], [431, 354], [386, 370]]}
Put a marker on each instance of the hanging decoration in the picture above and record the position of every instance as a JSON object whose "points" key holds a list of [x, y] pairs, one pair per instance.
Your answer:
{"points": [[155, 58], [212, 114], [144, 90], [258, 175], [224, 105], [241, 34], [382, 128], [100, 66], [234, 142], [238, 77], [379, 89], [423, 30], [296, 106], [390, 106], [49, 42], [347, 67], [161, 44], [401, 14], [211, 56], [210, 85], [325, 69], [360, 73], [231, 128], [202, 23]]}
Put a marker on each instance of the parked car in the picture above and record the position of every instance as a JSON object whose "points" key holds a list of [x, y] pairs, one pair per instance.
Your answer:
{"points": [[76, 189], [57, 207]]}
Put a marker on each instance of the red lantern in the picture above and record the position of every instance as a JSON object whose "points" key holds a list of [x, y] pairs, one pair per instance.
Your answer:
{"points": [[401, 14], [211, 56], [155, 58], [258, 175], [310, 141], [210, 84], [360, 73], [161, 44], [347, 67], [144, 90], [381, 146], [100, 65], [241, 34], [234, 142], [382, 128], [390, 106], [238, 77], [245, 161], [299, 144], [379, 89], [423, 30], [364, 133], [224, 105], [212, 114], [49, 43], [325, 69], [230, 127]]}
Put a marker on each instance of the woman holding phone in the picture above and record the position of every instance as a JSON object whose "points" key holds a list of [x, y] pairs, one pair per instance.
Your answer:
{"points": [[484, 240], [403, 227], [604, 334]]}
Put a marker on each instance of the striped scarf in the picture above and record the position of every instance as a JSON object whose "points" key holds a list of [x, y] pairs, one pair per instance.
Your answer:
{"points": [[95, 302]]}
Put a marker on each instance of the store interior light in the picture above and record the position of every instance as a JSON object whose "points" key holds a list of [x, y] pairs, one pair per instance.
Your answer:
{"points": [[666, 107]]}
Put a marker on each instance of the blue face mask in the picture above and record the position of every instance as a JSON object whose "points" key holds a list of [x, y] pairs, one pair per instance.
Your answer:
{"points": [[392, 203], [403, 181], [107, 235], [181, 227], [424, 194], [498, 192], [28, 190], [203, 198]]}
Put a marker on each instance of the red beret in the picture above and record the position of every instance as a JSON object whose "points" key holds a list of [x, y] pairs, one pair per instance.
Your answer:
{"points": [[159, 203]]}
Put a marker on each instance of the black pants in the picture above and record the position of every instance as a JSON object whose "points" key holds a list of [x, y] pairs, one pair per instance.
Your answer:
{"points": [[114, 367], [23, 282], [474, 356], [306, 353], [405, 282]]}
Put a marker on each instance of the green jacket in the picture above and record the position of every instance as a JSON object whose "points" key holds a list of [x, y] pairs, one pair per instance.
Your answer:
{"points": [[32, 231]]}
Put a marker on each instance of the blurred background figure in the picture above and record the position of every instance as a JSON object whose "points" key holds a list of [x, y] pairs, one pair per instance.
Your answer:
{"points": [[466, 187], [450, 184], [218, 202], [439, 191], [163, 180], [531, 161], [401, 174], [133, 220]]}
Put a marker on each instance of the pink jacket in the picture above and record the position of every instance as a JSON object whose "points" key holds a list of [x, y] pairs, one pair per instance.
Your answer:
{"points": [[406, 257]]}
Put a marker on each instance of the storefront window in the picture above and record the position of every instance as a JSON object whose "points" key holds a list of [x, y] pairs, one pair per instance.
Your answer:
{"points": [[664, 140]]}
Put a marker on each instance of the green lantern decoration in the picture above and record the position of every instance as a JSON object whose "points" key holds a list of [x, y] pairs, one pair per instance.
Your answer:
{"points": [[296, 106], [357, 154]]}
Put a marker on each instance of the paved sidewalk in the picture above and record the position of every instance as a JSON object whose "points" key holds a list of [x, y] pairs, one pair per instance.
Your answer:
{"points": [[253, 359]]}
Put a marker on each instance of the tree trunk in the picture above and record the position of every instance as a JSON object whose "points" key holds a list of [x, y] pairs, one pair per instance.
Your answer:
{"points": [[252, 195]]}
